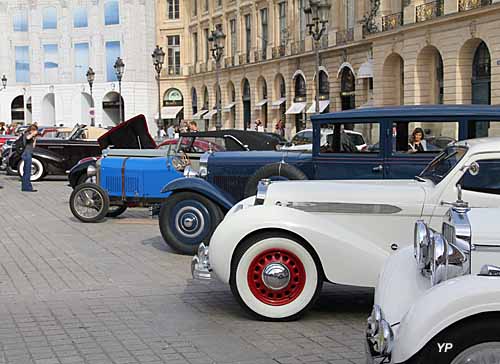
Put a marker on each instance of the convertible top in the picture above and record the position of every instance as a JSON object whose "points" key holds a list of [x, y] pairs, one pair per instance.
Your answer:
{"points": [[253, 139]]}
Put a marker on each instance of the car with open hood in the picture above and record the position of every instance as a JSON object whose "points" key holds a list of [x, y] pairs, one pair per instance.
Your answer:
{"points": [[438, 300], [277, 248], [55, 156]]}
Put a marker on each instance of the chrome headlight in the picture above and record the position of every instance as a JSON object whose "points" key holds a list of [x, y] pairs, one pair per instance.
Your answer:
{"points": [[379, 332], [91, 171], [262, 191], [421, 245], [204, 165], [447, 260], [189, 172]]}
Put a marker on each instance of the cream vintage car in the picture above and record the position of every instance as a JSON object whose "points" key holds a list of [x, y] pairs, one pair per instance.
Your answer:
{"points": [[439, 301], [276, 249]]}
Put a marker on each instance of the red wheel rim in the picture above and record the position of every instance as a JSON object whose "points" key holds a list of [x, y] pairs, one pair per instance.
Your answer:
{"points": [[282, 296]]}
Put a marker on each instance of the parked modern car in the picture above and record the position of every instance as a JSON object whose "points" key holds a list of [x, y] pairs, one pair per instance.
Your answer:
{"points": [[276, 249], [225, 178], [438, 301], [194, 145], [57, 155]]}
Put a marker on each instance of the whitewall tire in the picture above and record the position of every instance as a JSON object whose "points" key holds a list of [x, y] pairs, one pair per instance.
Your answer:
{"points": [[37, 170], [275, 277]]}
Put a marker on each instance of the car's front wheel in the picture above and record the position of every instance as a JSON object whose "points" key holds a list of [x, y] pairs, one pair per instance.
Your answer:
{"points": [[275, 277], [188, 219], [89, 202], [474, 340], [115, 211], [37, 169]]}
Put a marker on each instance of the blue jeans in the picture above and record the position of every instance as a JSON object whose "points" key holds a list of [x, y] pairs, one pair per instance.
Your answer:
{"points": [[26, 184]]}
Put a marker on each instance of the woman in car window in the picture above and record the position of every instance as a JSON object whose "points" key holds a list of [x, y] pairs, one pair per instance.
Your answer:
{"points": [[417, 142]]}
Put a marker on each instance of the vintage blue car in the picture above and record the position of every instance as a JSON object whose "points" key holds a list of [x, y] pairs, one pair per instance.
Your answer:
{"points": [[372, 143]]}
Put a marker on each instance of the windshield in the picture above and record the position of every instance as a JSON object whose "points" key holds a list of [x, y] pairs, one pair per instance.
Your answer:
{"points": [[440, 166], [74, 132]]}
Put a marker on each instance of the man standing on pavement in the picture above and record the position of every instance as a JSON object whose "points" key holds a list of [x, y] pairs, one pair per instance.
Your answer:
{"points": [[29, 141]]}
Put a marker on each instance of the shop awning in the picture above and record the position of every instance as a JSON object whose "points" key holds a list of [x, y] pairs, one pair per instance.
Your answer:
{"points": [[209, 114], [170, 112], [260, 104], [296, 108], [323, 104], [199, 114], [366, 70], [228, 107], [276, 104]]}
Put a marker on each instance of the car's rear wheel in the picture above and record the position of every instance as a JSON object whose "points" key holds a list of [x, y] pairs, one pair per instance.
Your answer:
{"points": [[37, 169], [275, 277], [187, 219], [89, 202], [115, 211]]}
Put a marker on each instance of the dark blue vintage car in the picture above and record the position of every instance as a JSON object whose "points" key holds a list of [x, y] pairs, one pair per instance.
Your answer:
{"points": [[372, 143]]}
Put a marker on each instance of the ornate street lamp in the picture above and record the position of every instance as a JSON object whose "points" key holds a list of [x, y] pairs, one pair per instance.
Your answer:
{"points": [[217, 38], [4, 82], [90, 80], [317, 14], [119, 70], [158, 60]]}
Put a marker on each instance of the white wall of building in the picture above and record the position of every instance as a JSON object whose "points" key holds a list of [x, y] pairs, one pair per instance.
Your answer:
{"points": [[136, 34]]}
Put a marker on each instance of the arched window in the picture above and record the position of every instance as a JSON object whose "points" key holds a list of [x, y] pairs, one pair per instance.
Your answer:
{"points": [[205, 99], [194, 101], [482, 63], [111, 12], [324, 84], [49, 18], [300, 88]]}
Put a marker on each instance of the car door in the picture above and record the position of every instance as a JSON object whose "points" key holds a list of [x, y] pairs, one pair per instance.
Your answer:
{"points": [[339, 157]]}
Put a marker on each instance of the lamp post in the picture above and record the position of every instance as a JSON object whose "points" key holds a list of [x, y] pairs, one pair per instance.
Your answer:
{"points": [[158, 60], [317, 14], [119, 69], [217, 38], [90, 79]]}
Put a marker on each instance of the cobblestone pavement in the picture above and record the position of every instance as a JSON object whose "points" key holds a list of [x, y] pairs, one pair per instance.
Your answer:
{"points": [[114, 293]]}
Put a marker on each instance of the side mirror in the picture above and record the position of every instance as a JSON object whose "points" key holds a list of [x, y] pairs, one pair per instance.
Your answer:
{"points": [[474, 169]]}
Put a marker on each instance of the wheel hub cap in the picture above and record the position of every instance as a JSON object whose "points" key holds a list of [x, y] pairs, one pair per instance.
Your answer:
{"points": [[276, 276]]}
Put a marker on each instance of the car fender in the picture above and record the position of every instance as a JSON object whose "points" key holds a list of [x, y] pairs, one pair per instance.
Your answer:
{"points": [[78, 170], [441, 306], [346, 257], [201, 186]]}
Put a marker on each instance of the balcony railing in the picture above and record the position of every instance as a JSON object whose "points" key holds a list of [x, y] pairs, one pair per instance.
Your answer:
{"points": [[243, 58], [392, 21], [191, 70], [298, 47], [279, 51], [429, 11], [345, 36], [173, 70], [464, 5]]}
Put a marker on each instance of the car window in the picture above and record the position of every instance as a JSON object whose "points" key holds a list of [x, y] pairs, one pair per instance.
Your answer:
{"points": [[350, 138], [423, 137], [303, 137], [483, 129], [486, 181], [440, 166]]}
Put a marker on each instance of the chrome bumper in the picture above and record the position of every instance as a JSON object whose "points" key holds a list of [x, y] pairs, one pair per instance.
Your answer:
{"points": [[200, 264]]}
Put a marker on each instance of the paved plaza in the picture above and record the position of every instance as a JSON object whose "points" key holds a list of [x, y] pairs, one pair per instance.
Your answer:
{"points": [[113, 292]]}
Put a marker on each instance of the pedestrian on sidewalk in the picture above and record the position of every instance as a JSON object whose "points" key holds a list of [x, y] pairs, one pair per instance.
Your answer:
{"points": [[29, 142]]}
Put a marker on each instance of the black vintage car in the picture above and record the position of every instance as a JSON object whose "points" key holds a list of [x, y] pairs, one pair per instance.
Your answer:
{"points": [[57, 156], [192, 145]]}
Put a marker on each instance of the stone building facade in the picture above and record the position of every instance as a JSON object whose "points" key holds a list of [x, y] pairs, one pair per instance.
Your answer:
{"points": [[385, 52], [48, 46]]}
